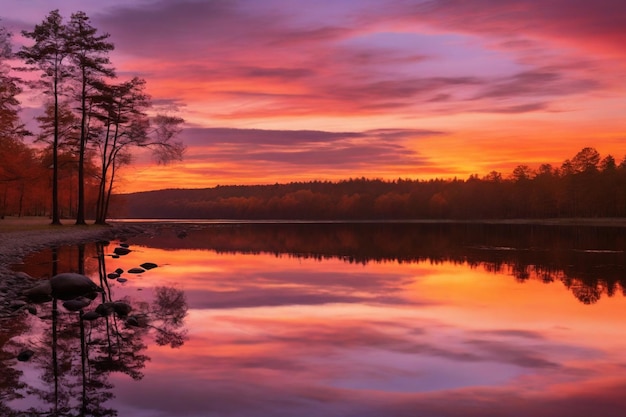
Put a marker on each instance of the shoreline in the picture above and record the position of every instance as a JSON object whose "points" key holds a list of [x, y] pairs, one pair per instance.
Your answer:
{"points": [[569, 221], [20, 237], [19, 240], [16, 243]]}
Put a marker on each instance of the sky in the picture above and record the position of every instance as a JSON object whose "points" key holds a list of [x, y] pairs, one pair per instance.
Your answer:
{"points": [[275, 91]]}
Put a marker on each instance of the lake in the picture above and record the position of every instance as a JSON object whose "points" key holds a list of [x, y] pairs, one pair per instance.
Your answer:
{"points": [[331, 319]]}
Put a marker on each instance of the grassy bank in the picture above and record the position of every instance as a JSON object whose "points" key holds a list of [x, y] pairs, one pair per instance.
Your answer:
{"points": [[24, 224]]}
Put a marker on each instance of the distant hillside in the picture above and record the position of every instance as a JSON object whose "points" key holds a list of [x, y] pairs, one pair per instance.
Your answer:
{"points": [[589, 192]]}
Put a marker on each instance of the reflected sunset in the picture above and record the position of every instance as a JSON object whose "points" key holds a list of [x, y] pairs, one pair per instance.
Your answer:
{"points": [[292, 332], [368, 319]]}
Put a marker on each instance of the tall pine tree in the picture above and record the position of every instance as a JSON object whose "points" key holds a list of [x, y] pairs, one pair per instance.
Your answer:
{"points": [[89, 54], [48, 55]]}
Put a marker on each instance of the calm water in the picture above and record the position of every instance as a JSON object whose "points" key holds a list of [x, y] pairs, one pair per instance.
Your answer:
{"points": [[334, 320]]}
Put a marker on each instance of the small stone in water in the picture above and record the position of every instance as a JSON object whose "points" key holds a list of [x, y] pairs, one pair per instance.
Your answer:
{"points": [[105, 309], [122, 280], [91, 315], [121, 308], [136, 270], [121, 251], [76, 304], [113, 275], [25, 355], [148, 265]]}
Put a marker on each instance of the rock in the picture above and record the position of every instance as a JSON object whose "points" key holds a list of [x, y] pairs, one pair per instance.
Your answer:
{"points": [[113, 275], [23, 275], [105, 309], [124, 245], [91, 315], [25, 355], [148, 265], [41, 292], [92, 295], [17, 304], [122, 280], [32, 310], [121, 308], [121, 251], [69, 285], [136, 270], [76, 304], [115, 256], [119, 271]]}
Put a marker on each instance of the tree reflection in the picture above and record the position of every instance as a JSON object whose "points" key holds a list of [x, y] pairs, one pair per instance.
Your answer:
{"points": [[590, 261], [77, 351]]}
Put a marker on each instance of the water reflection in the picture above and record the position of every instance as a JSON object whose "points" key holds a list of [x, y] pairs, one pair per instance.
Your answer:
{"points": [[375, 320], [590, 261], [74, 348]]}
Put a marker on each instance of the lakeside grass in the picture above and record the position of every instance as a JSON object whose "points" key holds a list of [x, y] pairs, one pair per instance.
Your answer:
{"points": [[34, 223]]}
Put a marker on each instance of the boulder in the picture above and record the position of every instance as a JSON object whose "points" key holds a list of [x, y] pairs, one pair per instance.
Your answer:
{"points": [[148, 265], [76, 304], [69, 285], [40, 293]]}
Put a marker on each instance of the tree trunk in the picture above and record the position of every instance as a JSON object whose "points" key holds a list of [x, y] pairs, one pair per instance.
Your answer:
{"points": [[55, 158]]}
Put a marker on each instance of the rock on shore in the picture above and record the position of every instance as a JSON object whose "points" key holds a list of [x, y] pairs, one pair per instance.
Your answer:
{"points": [[15, 245]]}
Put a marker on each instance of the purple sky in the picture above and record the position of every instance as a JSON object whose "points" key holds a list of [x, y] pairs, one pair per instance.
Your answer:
{"points": [[280, 90]]}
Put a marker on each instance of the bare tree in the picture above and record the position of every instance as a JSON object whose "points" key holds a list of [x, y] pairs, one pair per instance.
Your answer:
{"points": [[123, 111]]}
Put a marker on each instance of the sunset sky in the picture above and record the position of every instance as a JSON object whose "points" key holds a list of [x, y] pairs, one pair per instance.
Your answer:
{"points": [[286, 90]]}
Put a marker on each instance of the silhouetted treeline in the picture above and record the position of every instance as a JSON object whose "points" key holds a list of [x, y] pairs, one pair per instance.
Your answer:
{"points": [[589, 261], [584, 186]]}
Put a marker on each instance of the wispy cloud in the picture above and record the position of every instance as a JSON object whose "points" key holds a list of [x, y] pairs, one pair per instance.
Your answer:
{"points": [[358, 66]]}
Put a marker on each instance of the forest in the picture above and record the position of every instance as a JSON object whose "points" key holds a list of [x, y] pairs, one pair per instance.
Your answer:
{"points": [[64, 163], [586, 185]]}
